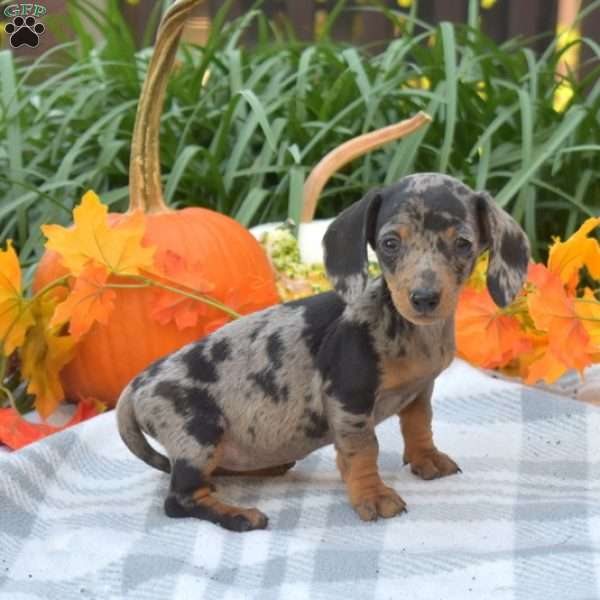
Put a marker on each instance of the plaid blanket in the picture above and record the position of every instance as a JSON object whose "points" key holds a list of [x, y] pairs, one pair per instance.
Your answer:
{"points": [[82, 518]]}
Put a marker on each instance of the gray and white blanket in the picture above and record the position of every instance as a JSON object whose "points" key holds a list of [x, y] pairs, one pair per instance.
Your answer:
{"points": [[82, 518]]}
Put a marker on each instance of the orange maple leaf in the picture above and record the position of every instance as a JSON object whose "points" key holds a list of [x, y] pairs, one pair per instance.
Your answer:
{"points": [[566, 258], [588, 310], [91, 239], [484, 335], [168, 306], [547, 367], [89, 301], [43, 354], [553, 311], [15, 313]]}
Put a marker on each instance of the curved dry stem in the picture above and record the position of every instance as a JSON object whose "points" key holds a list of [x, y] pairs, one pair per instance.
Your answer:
{"points": [[145, 189], [347, 152]]}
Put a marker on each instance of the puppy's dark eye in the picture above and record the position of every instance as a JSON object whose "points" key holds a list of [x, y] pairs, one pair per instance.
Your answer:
{"points": [[390, 244], [463, 244]]}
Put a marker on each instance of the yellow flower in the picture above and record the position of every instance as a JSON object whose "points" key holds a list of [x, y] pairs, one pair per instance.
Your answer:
{"points": [[481, 90], [487, 4], [562, 96], [423, 83], [404, 3]]}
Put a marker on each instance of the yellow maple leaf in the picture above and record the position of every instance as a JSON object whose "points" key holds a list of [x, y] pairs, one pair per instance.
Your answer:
{"points": [[89, 301], [91, 239], [566, 258], [478, 278], [44, 353], [15, 316]]}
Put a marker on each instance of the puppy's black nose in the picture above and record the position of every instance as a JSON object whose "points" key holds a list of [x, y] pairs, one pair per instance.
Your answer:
{"points": [[424, 300]]}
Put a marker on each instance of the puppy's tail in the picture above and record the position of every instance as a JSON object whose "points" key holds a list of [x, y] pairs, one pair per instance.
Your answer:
{"points": [[132, 435]]}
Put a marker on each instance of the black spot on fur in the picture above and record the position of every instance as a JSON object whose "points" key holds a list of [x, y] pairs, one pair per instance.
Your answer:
{"points": [[356, 223], [138, 381], [441, 198], [186, 478], [199, 367], [359, 424], [267, 382], [149, 373], [320, 313], [497, 291], [154, 368], [180, 503], [349, 361], [221, 351], [317, 426], [252, 432], [203, 418], [513, 250], [275, 350], [436, 221]]}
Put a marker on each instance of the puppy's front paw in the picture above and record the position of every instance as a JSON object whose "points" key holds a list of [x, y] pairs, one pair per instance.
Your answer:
{"points": [[431, 464], [382, 502]]}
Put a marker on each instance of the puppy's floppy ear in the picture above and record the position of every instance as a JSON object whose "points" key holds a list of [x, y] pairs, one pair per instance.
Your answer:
{"points": [[508, 246], [345, 246]]}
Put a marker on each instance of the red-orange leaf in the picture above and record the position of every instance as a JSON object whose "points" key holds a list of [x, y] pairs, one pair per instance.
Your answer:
{"points": [[176, 271], [553, 311], [16, 432], [89, 301], [485, 336]]}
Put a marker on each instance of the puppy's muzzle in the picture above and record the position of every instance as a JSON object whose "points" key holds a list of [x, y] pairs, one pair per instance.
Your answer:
{"points": [[424, 301]]}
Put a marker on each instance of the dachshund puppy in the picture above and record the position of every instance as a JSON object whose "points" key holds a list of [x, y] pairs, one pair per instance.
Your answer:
{"points": [[269, 388]]}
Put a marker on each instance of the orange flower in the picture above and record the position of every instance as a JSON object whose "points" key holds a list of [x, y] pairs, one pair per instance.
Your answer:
{"points": [[567, 258]]}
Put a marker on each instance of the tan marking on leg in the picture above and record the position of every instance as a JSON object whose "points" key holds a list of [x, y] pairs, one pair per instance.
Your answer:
{"points": [[203, 497], [425, 459], [367, 493]]}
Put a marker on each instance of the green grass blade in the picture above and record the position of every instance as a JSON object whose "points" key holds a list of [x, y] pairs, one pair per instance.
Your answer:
{"points": [[451, 93], [570, 122]]}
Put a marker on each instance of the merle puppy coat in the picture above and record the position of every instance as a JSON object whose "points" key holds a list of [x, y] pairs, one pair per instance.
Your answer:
{"points": [[269, 388]]}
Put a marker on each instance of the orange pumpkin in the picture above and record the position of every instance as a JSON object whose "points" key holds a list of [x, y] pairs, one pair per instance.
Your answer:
{"points": [[227, 255]]}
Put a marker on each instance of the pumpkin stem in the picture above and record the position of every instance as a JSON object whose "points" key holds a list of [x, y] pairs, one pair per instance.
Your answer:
{"points": [[347, 152], [145, 189]]}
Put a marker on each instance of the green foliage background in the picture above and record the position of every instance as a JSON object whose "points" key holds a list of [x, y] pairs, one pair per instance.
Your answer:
{"points": [[244, 142]]}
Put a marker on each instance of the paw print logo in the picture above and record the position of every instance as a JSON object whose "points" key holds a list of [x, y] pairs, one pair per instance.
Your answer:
{"points": [[24, 32]]}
